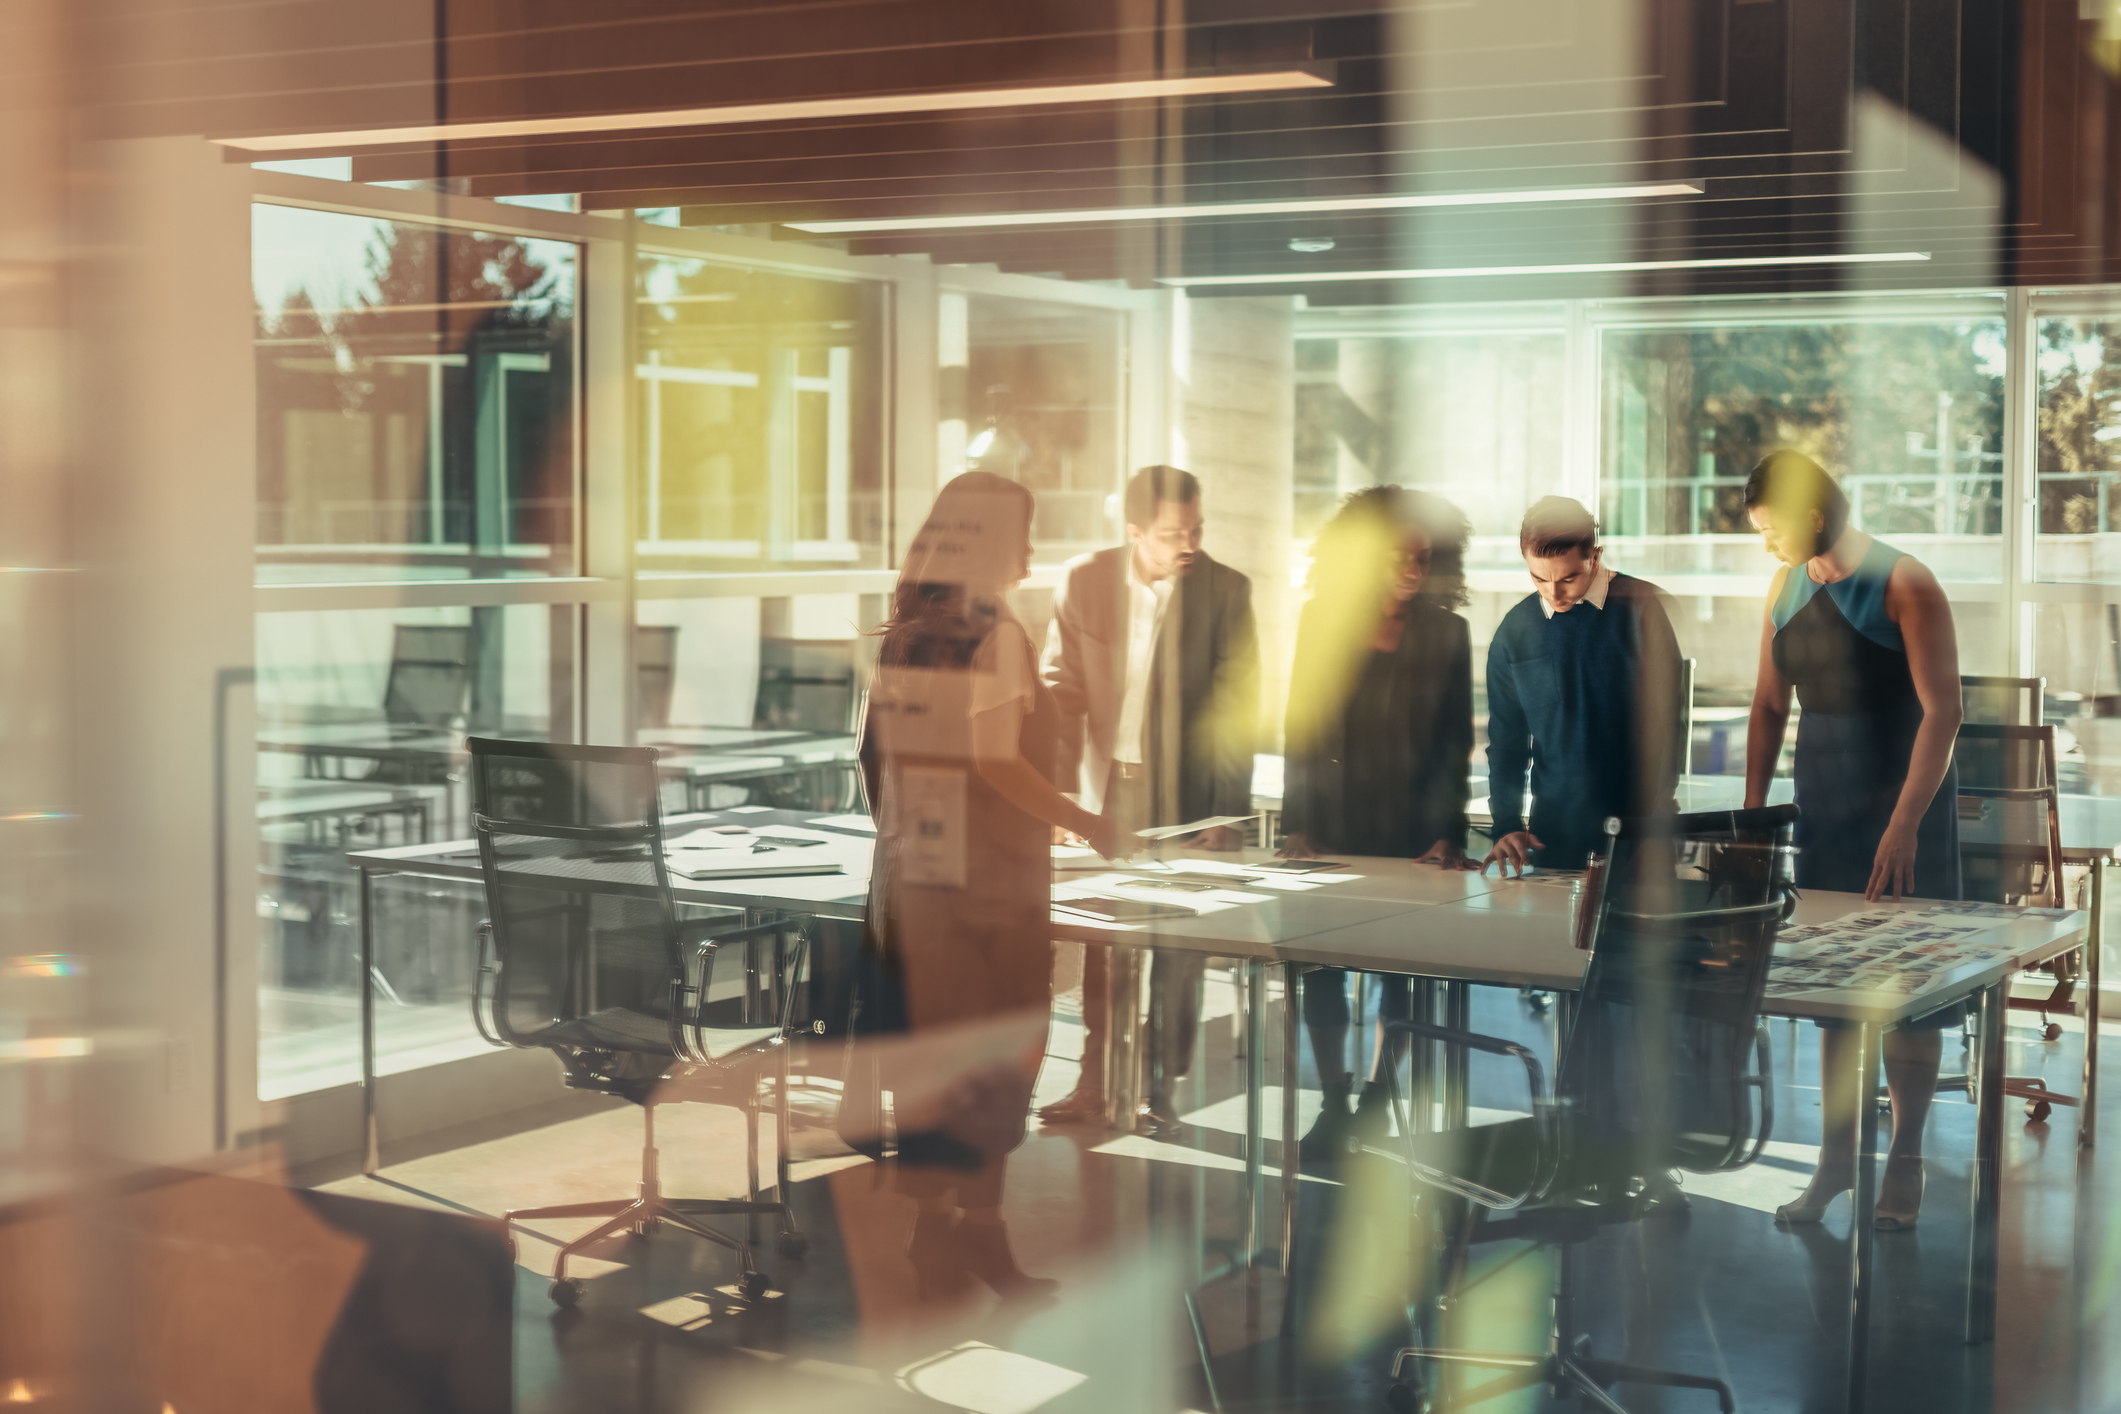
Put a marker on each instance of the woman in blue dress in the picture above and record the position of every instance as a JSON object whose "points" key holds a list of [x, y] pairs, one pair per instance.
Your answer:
{"points": [[1863, 635]]}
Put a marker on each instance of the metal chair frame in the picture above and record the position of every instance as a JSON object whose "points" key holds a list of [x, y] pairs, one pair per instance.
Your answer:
{"points": [[1567, 1365], [694, 1073]]}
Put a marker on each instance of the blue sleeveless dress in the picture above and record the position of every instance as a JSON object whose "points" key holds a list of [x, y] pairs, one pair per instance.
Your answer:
{"points": [[1848, 662], [1835, 645]]}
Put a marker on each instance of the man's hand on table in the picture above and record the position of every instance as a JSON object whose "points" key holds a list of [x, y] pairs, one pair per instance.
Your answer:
{"points": [[1447, 854], [1296, 845], [1515, 849], [1219, 837]]}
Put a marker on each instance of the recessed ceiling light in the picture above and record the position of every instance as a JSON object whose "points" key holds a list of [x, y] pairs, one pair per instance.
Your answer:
{"points": [[1300, 207], [955, 100], [1736, 262], [1310, 245]]}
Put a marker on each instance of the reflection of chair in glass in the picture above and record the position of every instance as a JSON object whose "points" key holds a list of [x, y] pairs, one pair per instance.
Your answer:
{"points": [[806, 685], [655, 663], [1663, 1064], [809, 685], [592, 962], [430, 675]]}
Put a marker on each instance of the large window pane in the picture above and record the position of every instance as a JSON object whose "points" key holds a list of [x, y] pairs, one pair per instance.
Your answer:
{"points": [[361, 721], [416, 400], [2079, 533], [1032, 391], [761, 419], [754, 701], [1476, 418], [1908, 415], [2077, 540]]}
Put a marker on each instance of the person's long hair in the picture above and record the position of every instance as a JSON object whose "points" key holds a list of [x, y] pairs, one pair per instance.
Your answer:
{"points": [[1351, 561], [962, 560]]}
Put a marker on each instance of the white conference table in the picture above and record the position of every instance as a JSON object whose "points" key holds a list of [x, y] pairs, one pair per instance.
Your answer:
{"points": [[1395, 917]]}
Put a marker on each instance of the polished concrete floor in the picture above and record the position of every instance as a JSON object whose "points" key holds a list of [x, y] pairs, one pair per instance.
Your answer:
{"points": [[1132, 1226]]}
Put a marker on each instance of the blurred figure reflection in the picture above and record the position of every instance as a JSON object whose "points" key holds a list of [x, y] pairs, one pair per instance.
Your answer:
{"points": [[958, 753], [1379, 736], [1862, 634], [1153, 658]]}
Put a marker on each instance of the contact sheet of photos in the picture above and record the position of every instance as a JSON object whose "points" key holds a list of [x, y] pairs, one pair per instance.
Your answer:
{"points": [[1892, 950]]}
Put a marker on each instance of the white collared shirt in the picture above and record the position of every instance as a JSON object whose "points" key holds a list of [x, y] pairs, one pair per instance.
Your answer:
{"points": [[1145, 620], [1595, 598]]}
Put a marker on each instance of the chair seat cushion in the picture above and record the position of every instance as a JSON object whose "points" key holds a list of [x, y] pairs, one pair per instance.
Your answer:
{"points": [[1499, 1157], [613, 1029]]}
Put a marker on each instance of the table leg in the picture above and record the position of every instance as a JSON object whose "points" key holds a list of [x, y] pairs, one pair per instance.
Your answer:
{"points": [[1255, 1105], [1291, 1077], [1988, 1165], [1863, 1104], [370, 1157], [2094, 945], [1421, 1061], [1457, 1060], [1123, 1037]]}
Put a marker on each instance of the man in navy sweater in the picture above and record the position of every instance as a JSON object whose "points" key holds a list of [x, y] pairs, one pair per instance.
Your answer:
{"points": [[1583, 685]]}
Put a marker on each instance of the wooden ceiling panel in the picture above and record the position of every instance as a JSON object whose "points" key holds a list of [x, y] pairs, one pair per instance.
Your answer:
{"points": [[1978, 130]]}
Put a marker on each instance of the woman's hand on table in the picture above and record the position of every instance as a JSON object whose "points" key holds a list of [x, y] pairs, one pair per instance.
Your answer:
{"points": [[1894, 869], [1516, 849], [1296, 845], [1447, 854], [1103, 836]]}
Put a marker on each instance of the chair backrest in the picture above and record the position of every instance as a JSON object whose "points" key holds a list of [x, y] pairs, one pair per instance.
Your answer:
{"points": [[2002, 702], [1686, 714], [1654, 1071], [430, 674], [806, 685], [570, 842], [2010, 809], [655, 662]]}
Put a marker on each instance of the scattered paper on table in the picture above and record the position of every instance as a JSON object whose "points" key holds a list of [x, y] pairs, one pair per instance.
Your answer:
{"points": [[1166, 832]]}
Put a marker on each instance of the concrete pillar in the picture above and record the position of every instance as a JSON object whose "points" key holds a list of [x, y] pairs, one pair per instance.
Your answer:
{"points": [[1233, 394]]}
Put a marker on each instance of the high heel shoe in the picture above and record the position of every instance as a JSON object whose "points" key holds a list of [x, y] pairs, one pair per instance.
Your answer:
{"points": [[1886, 1221], [1790, 1213]]}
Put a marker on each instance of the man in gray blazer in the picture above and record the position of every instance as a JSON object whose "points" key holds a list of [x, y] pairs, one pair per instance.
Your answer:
{"points": [[1153, 659]]}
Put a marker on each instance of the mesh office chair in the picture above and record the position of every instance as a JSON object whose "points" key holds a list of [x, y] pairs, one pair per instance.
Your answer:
{"points": [[590, 960], [2010, 851], [430, 675], [655, 666], [1664, 1064]]}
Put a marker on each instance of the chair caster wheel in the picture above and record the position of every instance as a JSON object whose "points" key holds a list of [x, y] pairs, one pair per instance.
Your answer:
{"points": [[2052, 1031], [791, 1245], [566, 1294], [752, 1284], [1405, 1399], [2037, 1111]]}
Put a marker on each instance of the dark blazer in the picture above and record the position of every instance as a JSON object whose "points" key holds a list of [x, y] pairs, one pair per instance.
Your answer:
{"points": [[1433, 667], [1209, 645]]}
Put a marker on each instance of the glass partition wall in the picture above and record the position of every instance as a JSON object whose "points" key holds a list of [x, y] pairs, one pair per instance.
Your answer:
{"points": [[476, 514]]}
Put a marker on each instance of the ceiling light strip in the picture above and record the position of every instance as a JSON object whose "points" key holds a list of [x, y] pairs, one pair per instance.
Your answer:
{"points": [[1605, 267], [958, 100], [1307, 206]]}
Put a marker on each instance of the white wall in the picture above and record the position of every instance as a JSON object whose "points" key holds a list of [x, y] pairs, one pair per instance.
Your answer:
{"points": [[158, 503]]}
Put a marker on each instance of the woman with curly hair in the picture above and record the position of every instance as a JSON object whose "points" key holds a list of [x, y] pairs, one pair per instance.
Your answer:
{"points": [[1378, 737]]}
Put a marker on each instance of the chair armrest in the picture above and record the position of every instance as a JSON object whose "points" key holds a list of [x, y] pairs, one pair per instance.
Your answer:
{"points": [[701, 939], [484, 969], [1546, 1146], [1763, 1080]]}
